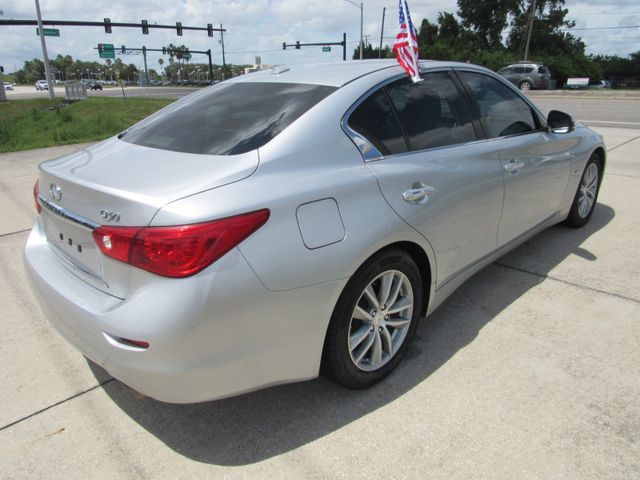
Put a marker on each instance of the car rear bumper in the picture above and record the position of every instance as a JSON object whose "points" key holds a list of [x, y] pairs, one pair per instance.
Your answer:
{"points": [[213, 335]]}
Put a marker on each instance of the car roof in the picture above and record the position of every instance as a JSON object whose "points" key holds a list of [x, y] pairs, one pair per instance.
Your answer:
{"points": [[334, 74]]}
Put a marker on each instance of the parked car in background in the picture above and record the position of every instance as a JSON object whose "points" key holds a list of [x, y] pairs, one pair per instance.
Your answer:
{"points": [[306, 216], [8, 86], [95, 86], [527, 76], [42, 85]]}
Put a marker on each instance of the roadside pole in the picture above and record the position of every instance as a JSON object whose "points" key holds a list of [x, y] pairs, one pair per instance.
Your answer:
{"points": [[44, 52], [3, 94], [210, 68], [146, 70], [384, 11], [224, 62]]}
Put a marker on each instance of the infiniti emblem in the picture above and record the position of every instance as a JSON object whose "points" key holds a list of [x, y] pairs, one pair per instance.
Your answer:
{"points": [[56, 192]]}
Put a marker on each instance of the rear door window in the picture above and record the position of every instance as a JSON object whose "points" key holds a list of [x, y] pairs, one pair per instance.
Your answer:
{"points": [[227, 119], [432, 111], [375, 120]]}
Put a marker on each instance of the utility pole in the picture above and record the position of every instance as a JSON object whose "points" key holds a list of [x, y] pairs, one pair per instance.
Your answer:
{"points": [[384, 11], [224, 63], [44, 52], [361, 25], [526, 48]]}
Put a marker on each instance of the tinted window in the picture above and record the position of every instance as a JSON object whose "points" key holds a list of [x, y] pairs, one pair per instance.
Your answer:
{"points": [[228, 119], [432, 112], [519, 69], [543, 70], [529, 69], [504, 112], [374, 120], [505, 71]]}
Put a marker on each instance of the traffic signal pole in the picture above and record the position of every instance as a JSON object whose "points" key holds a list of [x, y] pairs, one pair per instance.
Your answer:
{"points": [[166, 51], [47, 69], [342, 44], [146, 69]]}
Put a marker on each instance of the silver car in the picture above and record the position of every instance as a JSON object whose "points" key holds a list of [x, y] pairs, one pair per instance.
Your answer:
{"points": [[296, 220]]}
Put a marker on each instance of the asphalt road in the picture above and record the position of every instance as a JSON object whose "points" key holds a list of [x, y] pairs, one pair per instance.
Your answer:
{"points": [[22, 93], [604, 109], [529, 371], [594, 108]]}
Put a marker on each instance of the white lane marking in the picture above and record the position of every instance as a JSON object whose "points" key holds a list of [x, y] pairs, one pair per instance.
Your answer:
{"points": [[609, 121]]}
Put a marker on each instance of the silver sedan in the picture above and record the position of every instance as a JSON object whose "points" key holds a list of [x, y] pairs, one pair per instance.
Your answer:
{"points": [[297, 220]]}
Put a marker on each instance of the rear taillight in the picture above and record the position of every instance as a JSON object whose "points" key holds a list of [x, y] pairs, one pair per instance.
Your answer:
{"points": [[178, 251], [36, 192]]}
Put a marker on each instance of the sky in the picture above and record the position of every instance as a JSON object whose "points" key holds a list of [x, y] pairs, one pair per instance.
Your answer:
{"points": [[259, 27]]}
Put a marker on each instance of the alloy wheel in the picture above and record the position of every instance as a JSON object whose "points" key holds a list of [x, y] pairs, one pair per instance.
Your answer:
{"points": [[380, 320], [588, 190]]}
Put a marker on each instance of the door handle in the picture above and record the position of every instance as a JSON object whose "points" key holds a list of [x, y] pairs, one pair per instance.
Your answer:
{"points": [[513, 165], [418, 193]]}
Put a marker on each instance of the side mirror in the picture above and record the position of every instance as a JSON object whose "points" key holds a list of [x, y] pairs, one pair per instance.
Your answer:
{"points": [[560, 122]]}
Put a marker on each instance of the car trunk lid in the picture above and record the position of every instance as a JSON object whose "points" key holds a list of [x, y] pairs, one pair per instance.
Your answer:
{"points": [[120, 184]]}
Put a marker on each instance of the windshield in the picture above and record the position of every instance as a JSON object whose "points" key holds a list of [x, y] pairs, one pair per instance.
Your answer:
{"points": [[228, 119]]}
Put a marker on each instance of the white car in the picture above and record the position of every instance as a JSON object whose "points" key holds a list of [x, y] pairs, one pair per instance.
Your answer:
{"points": [[295, 219], [8, 86], [42, 85]]}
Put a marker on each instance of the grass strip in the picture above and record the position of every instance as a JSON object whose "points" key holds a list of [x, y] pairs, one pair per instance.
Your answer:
{"points": [[38, 123]]}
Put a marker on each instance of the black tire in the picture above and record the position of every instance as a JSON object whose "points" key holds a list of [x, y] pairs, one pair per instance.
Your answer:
{"points": [[578, 218], [338, 362], [525, 86]]}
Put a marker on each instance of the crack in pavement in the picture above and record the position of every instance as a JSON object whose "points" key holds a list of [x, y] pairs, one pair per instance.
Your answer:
{"points": [[566, 282], [14, 233], [42, 410], [623, 144]]}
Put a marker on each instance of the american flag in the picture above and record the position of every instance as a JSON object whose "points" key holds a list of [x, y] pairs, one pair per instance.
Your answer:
{"points": [[406, 45]]}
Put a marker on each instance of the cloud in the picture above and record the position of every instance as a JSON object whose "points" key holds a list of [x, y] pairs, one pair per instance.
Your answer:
{"points": [[258, 27]]}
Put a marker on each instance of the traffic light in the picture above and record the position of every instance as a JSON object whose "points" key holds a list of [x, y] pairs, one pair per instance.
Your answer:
{"points": [[209, 30], [284, 45], [144, 50], [179, 28], [298, 45], [124, 49], [100, 48], [1, 69], [145, 27], [107, 25], [164, 50]]}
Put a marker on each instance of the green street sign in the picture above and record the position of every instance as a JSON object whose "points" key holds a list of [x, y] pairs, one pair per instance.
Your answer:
{"points": [[49, 32], [106, 50], [326, 49]]}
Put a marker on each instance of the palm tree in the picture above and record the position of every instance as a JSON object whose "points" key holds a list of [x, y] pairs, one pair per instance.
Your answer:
{"points": [[161, 62]]}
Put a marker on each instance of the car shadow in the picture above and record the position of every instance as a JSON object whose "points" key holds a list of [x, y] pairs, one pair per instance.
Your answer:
{"points": [[256, 426]]}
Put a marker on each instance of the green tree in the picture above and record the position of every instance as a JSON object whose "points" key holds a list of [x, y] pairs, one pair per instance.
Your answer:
{"points": [[369, 52], [548, 35], [31, 71], [487, 20]]}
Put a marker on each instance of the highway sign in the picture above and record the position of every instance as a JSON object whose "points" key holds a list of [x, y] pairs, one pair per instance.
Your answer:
{"points": [[326, 49], [106, 50], [49, 32]]}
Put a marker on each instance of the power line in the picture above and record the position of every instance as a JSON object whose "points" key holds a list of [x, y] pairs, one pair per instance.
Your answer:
{"points": [[601, 28]]}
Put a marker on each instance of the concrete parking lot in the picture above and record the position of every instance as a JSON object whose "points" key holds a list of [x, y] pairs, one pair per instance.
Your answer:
{"points": [[530, 370]]}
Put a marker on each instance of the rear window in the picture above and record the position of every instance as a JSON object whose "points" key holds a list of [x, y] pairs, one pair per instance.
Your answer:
{"points": [[228, 119]]}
